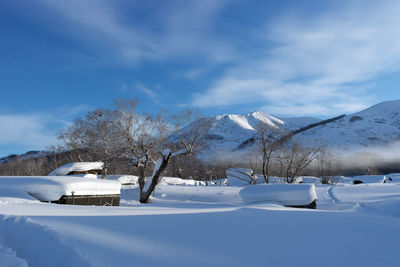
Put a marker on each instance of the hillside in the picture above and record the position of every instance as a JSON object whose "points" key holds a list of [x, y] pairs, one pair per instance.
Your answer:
{"points": [[26, 156], [376, 126]]}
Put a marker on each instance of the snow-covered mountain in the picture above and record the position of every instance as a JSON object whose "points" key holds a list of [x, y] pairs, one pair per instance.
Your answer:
{"points": [[238, 132], [375, 126]]}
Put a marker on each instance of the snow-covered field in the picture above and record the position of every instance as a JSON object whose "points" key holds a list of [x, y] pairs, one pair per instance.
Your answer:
{"points": [[189, 225]]}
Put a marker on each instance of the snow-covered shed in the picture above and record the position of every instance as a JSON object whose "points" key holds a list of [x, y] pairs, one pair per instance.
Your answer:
{"points": [[79, 168], [63, 189]]}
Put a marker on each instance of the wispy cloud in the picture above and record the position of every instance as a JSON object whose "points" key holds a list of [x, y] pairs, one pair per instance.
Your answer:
{"points": [[21, 132], [176, 29], [318, 64], [153, 95], [298, 63], [28, 131]]}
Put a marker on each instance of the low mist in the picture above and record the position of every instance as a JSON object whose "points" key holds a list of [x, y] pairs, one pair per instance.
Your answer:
{"points": [[370, 160]]}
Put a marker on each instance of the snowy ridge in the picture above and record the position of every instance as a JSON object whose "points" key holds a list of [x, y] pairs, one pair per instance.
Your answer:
{"points": [[299, 122], [376, 126]]}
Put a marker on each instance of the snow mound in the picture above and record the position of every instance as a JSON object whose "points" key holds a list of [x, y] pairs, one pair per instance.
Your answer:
{"points": [[199, 194], [368, 193], [285, 194], [51, 188], [180, 181], [77, 167], [124, 179], [393, 177], [367, 179], [309, 180]]}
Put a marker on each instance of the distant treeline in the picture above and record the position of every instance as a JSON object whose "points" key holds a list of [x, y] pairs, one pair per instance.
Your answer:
{"points": [[35, 163]]}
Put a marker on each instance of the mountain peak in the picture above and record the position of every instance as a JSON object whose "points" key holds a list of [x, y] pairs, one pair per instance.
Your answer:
{"points": [[382, 109]]}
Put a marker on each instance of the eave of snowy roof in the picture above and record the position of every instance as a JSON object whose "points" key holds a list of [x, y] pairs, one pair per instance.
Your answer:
{"points": [[78, 167]]}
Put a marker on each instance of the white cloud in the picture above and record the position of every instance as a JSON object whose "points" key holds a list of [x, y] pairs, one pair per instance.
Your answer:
{"points": [[317, 63], [28, 131], [21, 132]]}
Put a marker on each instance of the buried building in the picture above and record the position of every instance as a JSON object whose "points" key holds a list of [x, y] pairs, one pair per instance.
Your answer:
{"points": [[64, 189], [93, 191], [81, 169]]}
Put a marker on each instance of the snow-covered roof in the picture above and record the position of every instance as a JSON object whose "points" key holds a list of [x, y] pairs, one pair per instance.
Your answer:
{"points": [[77, 167], [51, 188]]}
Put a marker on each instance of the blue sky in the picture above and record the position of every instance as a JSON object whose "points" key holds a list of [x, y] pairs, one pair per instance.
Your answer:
{"points": [[59, 59]]}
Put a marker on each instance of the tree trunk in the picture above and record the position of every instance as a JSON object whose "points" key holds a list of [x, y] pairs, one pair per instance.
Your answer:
{"points": [[145, 195], [142, 180]]}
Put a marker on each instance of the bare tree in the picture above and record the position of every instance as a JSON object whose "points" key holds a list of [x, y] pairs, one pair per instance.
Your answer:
{"points": [[270, 140], [145, 138], [211, 168], [295, 158], [54, 157], [190, 140], [32, 167], [325, 164], [91, 137], [75, 139], [101, 135]]}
